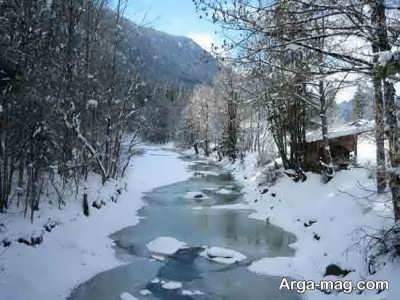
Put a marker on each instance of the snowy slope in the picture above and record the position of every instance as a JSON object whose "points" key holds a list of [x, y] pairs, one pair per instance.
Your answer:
{"points": [[79, 247], [329, 221]]}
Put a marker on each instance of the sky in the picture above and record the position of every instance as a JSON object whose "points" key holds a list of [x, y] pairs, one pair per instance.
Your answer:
{"points": [[177, 17]]}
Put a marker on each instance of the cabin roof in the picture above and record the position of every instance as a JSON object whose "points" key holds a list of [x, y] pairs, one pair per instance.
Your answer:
{"points": [[353, 128]]}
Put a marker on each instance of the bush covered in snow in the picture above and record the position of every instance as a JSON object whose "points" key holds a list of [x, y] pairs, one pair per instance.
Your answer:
{"points": [[382, 245], [270, 174]]}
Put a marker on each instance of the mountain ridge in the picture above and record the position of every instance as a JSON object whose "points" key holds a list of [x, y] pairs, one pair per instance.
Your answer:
{"points": [[166, 57]]}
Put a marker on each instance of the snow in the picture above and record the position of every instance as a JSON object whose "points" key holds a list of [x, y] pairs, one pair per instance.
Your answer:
{"points": [[341, 208], [145, 292], [127, 296], [366, 155], [206, 173], [171, 285], [211, 189], [272, 266], [192, 293], [37, 131], [293, 47], [224, 192], [92, 104], [238, 206], [155, 280], [384, 57], [223, 255], [165, 245], [79, 247], [157, 257], [342, 130]]}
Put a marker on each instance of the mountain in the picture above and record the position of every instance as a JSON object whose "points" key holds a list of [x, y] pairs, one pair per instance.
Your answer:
{"points": [[167, 58]]}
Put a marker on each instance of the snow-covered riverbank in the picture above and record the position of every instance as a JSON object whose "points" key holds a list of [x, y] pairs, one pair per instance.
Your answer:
{"points": [[328, 220], [79, 247]]}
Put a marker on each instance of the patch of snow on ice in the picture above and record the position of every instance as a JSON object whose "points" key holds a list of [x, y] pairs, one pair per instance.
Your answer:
{"points": [[237, 206], [145, 292], [127, 296], [192, 293], [210, 189], [155, 280], [158, 257], [208, 173], [223, 255], [165, 245], [224, 192], [171, 285]]}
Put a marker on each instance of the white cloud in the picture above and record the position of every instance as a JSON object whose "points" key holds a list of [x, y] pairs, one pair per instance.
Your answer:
{"points": [[205, 40]]}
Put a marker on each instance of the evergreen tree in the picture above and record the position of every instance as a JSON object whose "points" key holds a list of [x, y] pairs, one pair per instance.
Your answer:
{"points": [[358, 104]]}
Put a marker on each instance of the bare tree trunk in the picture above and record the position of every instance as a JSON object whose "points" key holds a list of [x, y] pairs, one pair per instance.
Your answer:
{"points": [[20, 179], [85, 204], [380, 43], [379, 136], [206, 138], [394, 146], [327, 166], [196, 148], [258, 142]]}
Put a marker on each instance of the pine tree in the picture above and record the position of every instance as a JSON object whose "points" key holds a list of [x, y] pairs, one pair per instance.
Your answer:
{"points": [[358, 105]]}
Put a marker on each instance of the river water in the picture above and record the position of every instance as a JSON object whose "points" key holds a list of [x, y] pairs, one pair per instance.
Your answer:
{"points": [[170, 212]]}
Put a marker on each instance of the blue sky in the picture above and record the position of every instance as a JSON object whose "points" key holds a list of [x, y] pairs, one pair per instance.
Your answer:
{"points": [[177, 17]]}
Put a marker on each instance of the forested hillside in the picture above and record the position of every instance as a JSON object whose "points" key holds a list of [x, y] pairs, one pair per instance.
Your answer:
{"points": [[76, 78], [173, 59]]}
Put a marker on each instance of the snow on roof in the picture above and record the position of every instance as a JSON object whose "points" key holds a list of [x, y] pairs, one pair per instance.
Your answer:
{"points": [[353, 128]]}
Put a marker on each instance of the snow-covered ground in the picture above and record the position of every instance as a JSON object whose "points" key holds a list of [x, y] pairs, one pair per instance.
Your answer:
{"points": [[328, 220], [79, 247], [366, 151]]}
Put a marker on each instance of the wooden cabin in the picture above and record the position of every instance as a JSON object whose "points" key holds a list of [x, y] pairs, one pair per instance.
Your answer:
{"points": [[343, 142]]}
